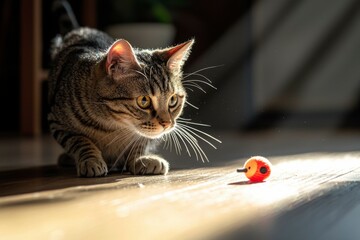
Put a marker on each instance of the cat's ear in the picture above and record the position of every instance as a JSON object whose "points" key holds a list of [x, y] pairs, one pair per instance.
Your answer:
{"points": [[121, 53], [178, 55]]}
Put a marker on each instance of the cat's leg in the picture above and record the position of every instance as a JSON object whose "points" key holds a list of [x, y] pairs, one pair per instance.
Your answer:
{"points": [[65, 160], [88, 158], [148, 165]]}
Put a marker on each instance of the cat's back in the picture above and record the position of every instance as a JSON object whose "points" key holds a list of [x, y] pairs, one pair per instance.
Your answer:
{"points": [[90, 40], [74, 57]]}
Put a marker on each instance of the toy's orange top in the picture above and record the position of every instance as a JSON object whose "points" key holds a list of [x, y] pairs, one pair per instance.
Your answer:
{"points": [[256, 169]]}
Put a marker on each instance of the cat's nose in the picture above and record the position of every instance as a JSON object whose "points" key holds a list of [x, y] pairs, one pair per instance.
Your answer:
{"points": [[166, 124]]}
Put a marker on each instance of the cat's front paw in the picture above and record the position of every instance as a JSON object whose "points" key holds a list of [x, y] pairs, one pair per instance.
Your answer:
{"points": [[149, 165], [92, 168]]}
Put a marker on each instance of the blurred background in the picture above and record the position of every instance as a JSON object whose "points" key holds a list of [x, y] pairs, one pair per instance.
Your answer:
{"points": [[287, 78], [275, 64]]}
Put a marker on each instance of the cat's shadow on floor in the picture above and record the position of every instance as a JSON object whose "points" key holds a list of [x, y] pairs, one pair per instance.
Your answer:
{"points": [[51, 177]]}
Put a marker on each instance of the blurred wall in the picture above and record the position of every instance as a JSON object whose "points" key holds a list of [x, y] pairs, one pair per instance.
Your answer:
{"points": [[286, 63]]}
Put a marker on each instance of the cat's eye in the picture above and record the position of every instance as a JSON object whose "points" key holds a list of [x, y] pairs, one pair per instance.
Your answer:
{"points": [[144, 102], [173, 100]]}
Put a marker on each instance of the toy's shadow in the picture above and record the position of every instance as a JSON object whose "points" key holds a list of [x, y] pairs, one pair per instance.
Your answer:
{"points": [[244, 183]]}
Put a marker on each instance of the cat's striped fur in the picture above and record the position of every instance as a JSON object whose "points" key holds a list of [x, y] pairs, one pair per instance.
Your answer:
{"points": [[110, 102]]}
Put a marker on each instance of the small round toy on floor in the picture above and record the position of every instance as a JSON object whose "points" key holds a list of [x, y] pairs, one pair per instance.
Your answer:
{"points": [[256, 169]]}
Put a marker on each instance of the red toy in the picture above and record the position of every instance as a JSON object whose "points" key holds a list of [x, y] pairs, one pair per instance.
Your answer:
{"points": [[256, 169]]}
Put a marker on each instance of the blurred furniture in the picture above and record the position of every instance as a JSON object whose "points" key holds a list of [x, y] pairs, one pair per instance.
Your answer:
{"points": [[30, 67], [31, 72]]}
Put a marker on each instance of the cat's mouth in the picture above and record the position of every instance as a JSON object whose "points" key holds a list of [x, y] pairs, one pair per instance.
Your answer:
{"points": [[154, 131]]}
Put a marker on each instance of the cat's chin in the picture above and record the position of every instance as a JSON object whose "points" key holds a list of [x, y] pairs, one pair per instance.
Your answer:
{"points": [[152, 134]]}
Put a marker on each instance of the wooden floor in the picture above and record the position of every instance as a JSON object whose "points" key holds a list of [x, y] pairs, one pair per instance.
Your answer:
{"points": [[313, 193]]}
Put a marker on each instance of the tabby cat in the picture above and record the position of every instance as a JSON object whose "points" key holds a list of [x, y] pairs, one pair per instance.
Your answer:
{"points": [[111, 104]]}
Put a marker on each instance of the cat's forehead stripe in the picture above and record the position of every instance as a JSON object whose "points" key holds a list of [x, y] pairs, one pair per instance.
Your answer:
{"points": [[154, 67], [158, 79]]}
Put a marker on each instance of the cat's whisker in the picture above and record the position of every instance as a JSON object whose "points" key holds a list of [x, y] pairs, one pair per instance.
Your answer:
{"points": [[126, 135], [201, 75], [184, 122], [198, 136], [184, 119], [123, 152], [199, 81], [118, 137], [189, 141], [177, 144], [173, 143], [186, 75], [193, 123], [138, 144], [201, 132], [166, 140], [106, 136], [142, 145], [182, 140], [192, 105], [195, 85], [188, 88], [189, 135], [133, 143], [170, 142], [199, 153]]}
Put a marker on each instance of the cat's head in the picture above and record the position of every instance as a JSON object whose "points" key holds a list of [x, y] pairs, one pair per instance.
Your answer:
{"points": [[143, 89]]}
